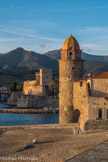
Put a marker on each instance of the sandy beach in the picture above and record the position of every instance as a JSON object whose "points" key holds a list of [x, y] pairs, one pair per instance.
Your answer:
{"points": [[55, 142]]}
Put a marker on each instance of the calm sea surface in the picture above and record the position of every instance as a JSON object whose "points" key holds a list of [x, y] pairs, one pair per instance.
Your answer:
{"points": [[28, 119]]}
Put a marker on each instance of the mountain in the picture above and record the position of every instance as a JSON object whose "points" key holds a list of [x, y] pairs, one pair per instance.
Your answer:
{"points": [[95, 67], [93, 63], [20, 59], [56, 55], [19, 65], [96, 58]]}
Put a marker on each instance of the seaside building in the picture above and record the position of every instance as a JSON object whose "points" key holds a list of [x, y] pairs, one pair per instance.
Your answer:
{"points": [[3, 94], [38, 86], [35, 92], [82, 99]]}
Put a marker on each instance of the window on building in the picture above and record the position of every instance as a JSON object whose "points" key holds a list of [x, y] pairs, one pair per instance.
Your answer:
{"points": [[107, 113], [81, 84], [89, 90], [70, 55], [73, 68], [46, 76], [100, 114]]}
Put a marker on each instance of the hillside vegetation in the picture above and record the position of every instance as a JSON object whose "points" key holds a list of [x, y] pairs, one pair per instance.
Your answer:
{"points": [[19, 65]]}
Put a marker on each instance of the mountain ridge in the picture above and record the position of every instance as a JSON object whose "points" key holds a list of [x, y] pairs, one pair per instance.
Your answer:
{"points": [[20, 65], [55, 54], [20, 59]]}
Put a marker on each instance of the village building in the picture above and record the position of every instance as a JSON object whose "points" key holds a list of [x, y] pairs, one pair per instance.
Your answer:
{"points": [[81, 99], [3, 94], [38, 86], [35, 93]]}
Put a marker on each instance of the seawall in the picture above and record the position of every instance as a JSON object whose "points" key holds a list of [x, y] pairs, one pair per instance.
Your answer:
{"points": [[29, 111]]}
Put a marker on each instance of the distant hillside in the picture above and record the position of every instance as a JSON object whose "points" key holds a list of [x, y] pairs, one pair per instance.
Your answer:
{"points": [[95, 67], [20, 65], [19, 59], [86, 56], [92, 64], [56, 55], [53, 54]]}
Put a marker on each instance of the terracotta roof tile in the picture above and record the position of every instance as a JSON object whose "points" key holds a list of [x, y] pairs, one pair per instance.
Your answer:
{"points": [[103, 75]]}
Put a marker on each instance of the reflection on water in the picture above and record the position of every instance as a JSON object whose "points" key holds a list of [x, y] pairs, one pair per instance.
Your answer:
{"points": [[28, 119]]}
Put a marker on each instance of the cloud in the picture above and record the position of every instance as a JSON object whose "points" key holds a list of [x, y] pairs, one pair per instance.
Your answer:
{"points": [[42, 45], [6, 39], [92, 40], [28, 34], [11, 6], [87, 49], [66, 8]]}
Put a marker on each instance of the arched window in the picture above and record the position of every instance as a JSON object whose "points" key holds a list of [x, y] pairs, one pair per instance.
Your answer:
{"points": [[70, 55], [100, 114]]}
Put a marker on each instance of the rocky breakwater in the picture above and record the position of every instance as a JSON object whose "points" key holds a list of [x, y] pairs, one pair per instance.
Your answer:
{"points": [[29, 111]]}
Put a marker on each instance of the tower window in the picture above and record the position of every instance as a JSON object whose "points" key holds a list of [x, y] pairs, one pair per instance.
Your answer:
{"points": [[73, 68], [70, 55], [100, 114], [81, 84]]}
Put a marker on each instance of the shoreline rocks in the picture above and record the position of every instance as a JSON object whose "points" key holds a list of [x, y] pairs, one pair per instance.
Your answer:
{"points": [[29, 111]]}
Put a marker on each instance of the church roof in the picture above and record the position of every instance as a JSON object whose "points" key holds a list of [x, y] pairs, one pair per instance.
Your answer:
{"points": [[103, 75], [71, 42]]}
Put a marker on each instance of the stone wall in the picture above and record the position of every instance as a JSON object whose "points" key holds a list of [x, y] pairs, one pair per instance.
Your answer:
{"points": [[30, 88], [45, 76], [96, 103], [25, 101], [99, 87], [47, 102], [69, 71], [38, 86], [80, 101], [36, 102], [12, 100], [96, 125]]}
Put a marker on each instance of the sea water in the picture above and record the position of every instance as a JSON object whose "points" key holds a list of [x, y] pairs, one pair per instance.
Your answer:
{"points": [[27, 119]]}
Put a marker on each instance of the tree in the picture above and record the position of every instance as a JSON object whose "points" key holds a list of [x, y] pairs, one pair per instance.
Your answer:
{"points": [[20, 87], [53, 87], [13, 87]]}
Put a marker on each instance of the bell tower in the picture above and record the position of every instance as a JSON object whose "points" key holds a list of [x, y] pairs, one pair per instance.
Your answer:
{"points": [[70, 70]]}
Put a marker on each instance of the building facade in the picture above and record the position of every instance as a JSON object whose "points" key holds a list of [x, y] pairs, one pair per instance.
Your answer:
{"points": [[35, 93], [81, 100], [4, 94], [38, 86], [91, 100]]}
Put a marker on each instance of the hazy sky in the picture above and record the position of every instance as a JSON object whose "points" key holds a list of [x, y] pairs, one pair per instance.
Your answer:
{"points": [[43, 25]]}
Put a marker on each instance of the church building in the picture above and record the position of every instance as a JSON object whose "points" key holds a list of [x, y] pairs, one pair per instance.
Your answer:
{"points": [[83, 101]]}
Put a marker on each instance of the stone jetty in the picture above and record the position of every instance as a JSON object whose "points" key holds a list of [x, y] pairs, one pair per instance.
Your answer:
{"points": [[29, 111]]}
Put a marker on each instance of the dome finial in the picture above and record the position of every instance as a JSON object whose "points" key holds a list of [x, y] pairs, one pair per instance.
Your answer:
{"points": [[71, 42]]}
